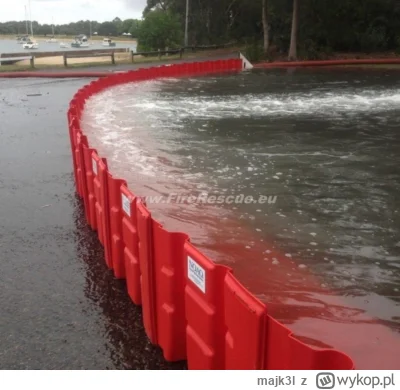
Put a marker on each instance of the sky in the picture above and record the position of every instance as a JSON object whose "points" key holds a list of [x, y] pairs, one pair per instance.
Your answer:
{"points": [[66, 11]]}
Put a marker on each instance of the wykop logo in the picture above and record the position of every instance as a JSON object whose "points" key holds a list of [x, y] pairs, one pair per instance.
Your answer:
{"points": [[325, 380]]}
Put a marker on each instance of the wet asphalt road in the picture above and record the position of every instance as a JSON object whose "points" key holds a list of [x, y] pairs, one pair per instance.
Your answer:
{"points": [[60, 308]]}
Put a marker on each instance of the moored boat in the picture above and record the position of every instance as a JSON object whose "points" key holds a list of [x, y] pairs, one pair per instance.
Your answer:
{"points": [[80, 41], [108, 42], [31, 45]]}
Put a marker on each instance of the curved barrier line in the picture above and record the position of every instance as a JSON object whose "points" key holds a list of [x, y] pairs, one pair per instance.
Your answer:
{"points": [[193, 308], [302, 64]]}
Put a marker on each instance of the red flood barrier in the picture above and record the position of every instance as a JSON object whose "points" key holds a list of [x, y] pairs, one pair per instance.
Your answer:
{"points": [[193, 308]]}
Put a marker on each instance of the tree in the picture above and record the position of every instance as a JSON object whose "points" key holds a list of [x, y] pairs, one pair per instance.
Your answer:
{"points": [[293, 37], [153, 4], [119, 25], [108, 28], [135, 28], [160, 29], [265, 26], [126, 25]]}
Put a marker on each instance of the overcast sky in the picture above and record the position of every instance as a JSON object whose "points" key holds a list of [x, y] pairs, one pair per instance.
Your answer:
{"points": [[65, 11]]}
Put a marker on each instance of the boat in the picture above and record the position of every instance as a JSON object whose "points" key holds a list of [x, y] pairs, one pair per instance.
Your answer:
{"points": [[21, 39], [108, 42], [80, 41], [52, 40], [30, 45]]}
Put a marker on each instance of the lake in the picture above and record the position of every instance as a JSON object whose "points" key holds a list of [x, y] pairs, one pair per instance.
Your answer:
{"points": [[12, 46]]}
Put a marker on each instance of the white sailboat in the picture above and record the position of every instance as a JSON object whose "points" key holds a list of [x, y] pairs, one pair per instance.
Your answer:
{"points": [[24, 38], [52, 40], [31, 43]]}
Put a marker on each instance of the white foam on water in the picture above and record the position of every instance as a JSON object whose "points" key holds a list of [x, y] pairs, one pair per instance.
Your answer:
{"points": [[250, 105]]}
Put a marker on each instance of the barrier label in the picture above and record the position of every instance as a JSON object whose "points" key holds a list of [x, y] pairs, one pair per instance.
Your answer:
{"points": [[94, 166], [197, 274], [126, 204]]}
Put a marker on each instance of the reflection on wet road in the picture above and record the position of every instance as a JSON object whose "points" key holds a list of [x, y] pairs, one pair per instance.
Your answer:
{"points": [[60, 307]]}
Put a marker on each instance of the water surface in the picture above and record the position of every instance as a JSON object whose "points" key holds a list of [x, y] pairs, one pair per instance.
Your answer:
{"points": [[12, 46]]}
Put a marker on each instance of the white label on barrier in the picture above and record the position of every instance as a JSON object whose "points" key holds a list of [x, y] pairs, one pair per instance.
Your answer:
{"points": [[94, 166], [197, 274], [126, 204]]}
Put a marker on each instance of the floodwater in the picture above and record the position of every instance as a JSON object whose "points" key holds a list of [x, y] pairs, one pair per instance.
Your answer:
{"points": [[60, 306], [325, 254], [12, 46]]}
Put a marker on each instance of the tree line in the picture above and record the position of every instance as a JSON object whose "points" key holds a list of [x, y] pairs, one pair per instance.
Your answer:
{"points": [[305, 28]]}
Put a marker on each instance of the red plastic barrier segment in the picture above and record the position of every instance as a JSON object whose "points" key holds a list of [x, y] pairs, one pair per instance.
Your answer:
{"points": [[245, 319], [147, 268], [81, 145], [90, 168], [204, 306], [79, 163], [381, 61], [72, 137], [102, 204], [130, 238], [71, 114], [169, 260], [284, 352], [116, 240]]}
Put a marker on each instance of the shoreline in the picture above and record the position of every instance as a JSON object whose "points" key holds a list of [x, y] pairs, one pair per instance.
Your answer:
{"points": [[389, 61], [330, 63]]}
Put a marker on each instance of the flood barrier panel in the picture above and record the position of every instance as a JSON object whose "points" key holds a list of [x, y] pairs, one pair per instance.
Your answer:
{"points": [[193, 308]]}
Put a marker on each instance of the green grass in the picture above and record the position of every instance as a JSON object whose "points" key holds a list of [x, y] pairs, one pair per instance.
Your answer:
{"points": [[14, 68]]}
